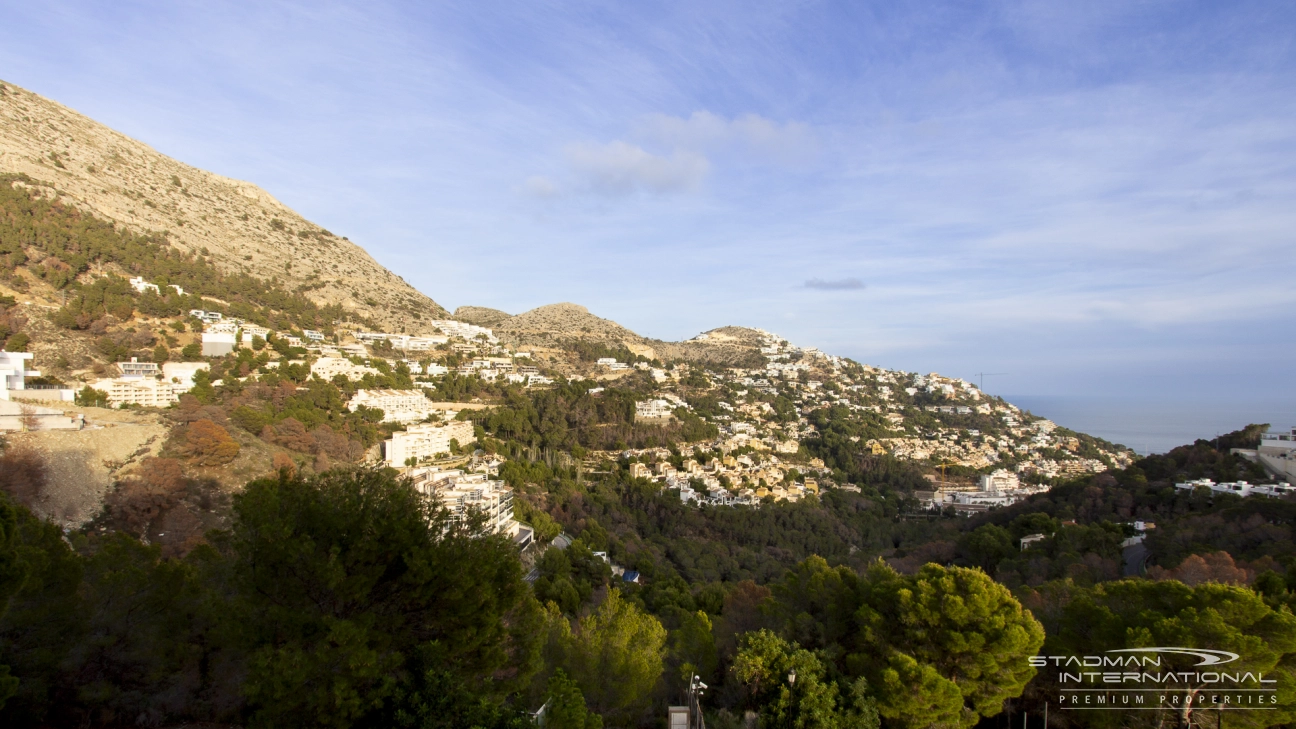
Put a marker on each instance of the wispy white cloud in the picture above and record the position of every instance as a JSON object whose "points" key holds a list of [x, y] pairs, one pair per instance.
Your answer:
{"points": [[689, 149], [840, 284], [541, 187], [790, 142], [619, 168]]}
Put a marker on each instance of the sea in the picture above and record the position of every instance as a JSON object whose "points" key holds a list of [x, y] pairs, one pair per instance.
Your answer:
{"points": [[1156, 425]]}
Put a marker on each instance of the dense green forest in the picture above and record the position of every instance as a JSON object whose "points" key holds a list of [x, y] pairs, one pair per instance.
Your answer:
{"points": [[346, 599]]}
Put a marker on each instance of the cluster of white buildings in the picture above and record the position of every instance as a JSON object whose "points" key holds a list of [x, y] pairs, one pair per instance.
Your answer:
{"points": [[999, 488], [750, 478], [493, 368], [404, 342], [146, 384], [465, 331]]}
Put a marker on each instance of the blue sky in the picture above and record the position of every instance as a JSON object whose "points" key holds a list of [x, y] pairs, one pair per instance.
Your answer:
{"points": [[1094, 198]]}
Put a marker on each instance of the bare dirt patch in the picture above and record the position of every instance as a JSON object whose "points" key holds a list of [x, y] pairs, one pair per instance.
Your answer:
{"points": [[82, 464]]}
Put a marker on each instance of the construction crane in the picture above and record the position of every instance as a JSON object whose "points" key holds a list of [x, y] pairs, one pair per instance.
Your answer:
{"points": [[983, 375]]}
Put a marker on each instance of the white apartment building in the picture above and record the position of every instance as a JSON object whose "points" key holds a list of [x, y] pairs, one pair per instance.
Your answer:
{"points": [[463, 494], [329, 367], [143, 391], [398, 406], [426, 440], [1000, 480]]}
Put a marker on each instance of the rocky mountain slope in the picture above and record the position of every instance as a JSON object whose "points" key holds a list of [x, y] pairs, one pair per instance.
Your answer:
{"points": [[241, 226]]}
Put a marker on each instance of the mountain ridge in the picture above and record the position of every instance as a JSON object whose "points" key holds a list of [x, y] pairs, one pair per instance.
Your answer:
{"points": [[239, 226]]}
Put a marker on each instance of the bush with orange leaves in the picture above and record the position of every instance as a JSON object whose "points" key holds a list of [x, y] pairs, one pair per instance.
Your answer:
{"points": [[1200, 568], [209, 444]]}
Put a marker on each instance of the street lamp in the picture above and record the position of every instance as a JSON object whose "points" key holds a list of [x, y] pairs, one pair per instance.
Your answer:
{"points": [[792, 677]]}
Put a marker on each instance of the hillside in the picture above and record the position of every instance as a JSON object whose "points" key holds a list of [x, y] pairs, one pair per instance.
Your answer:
{"points": [[237, 225], [481, 315]]}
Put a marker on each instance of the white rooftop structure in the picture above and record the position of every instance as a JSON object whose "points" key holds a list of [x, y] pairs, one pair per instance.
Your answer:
{"points": [[14, 372], [136, 368]]}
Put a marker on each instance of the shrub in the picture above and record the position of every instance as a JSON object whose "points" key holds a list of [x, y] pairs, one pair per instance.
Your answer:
{"points": [[22, 475], [209, 444], [17, 342]]}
